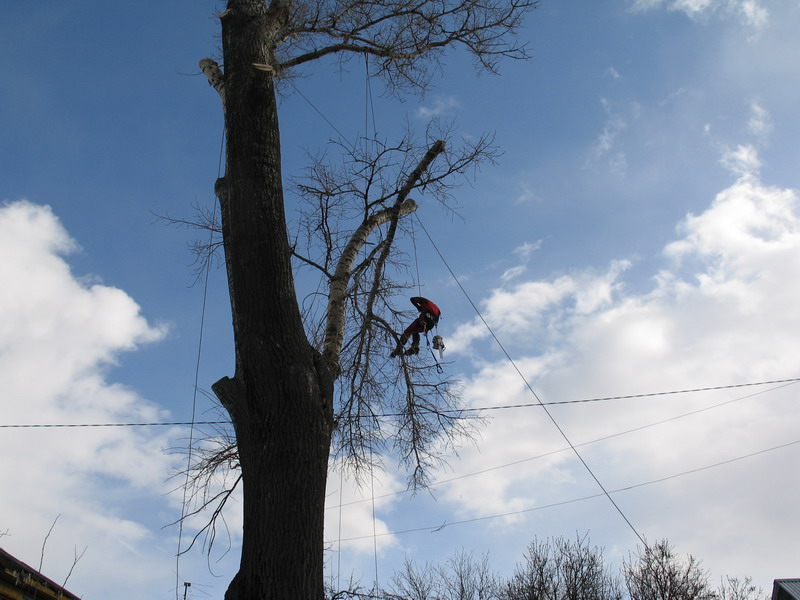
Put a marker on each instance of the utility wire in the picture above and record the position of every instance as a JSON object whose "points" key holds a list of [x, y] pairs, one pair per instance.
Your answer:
{"points": [[73, 425], [460, 410], [535, 395], [439, 527], [560, 450]]}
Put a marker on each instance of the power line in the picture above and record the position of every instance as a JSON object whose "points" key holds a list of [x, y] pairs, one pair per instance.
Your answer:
{"points": [[560, 450], [459, 410], [632, 396], [440, 526], [74, 425]]}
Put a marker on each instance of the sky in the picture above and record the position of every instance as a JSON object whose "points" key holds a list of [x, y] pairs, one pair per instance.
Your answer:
{"points": [[640, 234]]}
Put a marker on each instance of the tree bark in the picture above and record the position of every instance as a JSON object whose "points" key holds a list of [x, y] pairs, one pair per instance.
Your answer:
{"points": [[280, 398]]}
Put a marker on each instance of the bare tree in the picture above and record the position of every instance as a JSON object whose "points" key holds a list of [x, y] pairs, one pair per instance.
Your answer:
{"points": [[462, 577], [734, 588], [282, 397], [656, 573], [563, 570]]}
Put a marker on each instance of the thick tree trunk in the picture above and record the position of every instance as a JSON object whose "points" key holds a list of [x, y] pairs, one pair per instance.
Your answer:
{"points": [[280, 396]]}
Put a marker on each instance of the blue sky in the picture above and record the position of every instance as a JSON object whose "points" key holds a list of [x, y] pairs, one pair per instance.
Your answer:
{"points": [[639, 234]]}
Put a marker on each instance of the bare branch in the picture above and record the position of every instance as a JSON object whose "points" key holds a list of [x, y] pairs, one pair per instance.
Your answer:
{"points": [[44, 543], [75, 561], [205, 250], [406, 37]]}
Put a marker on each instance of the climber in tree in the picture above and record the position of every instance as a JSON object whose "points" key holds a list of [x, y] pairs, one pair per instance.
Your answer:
{"points": [[428, 317]]}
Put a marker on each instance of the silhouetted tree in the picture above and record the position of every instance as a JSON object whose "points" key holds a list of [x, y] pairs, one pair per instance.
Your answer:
{"points": [[462, 577], [734, 588], [563, 570], [657, 573]]}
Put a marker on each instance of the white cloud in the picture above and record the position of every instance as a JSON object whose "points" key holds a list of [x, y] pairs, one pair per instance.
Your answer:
{"points": [[525, 251], [58, 336], [605, 146], [743, 161], [513, 273], [722, 310], [751, 13], [760, 123], [442, 105], [356, 527], [527, 194]]}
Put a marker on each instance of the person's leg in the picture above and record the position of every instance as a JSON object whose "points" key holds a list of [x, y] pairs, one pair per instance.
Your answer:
{"points": [[414, 348], [417, 325]]}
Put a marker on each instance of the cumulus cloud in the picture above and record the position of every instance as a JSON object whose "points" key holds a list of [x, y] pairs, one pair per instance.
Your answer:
{"points": [[721, 310], [536, 309], [58, 337], [349, 523], [742, 161], [751, 13]]}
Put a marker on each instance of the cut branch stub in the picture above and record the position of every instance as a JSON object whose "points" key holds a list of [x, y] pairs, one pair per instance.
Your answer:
{"points": [[215, 77]]}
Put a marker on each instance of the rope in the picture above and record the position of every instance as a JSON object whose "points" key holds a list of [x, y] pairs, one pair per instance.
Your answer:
{"points": [[319, 112], [416, 260], [535, 395], [374, 529], [196, 382], [339, 553], [367, 105]]}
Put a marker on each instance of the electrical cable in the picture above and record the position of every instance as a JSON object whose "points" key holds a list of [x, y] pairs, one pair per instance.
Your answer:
{"points": [[560, 450], [459, 410], [439, 527], [535, 395], [77, 425]]}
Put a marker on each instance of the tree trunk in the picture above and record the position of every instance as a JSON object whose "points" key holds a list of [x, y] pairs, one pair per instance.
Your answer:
{"points": [[280, 396]]}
